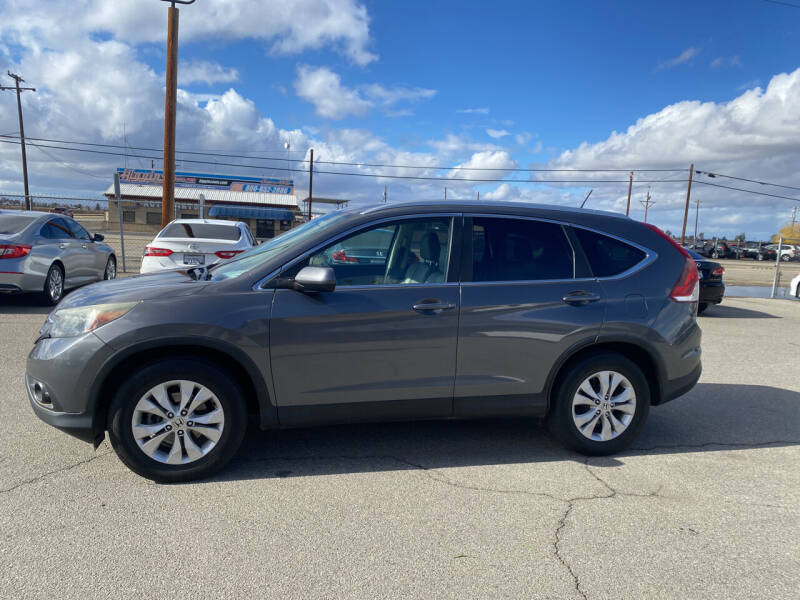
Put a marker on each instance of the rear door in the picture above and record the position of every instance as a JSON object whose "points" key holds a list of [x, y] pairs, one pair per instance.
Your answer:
{"points": [[383, 344], [69, 249], [527, 297]]}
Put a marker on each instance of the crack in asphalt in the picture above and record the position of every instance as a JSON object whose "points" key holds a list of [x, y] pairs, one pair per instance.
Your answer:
{"points": [[53, 472], [709, 444]]}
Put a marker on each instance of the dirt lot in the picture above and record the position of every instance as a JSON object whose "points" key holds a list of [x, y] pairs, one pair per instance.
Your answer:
{"points": [[705, 505]]}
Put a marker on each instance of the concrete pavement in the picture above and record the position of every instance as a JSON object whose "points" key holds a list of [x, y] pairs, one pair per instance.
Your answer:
{"points": [[706, 505]]}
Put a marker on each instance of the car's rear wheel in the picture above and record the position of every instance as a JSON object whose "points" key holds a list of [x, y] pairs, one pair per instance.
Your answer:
{"points": [[177, 420], [701, 307], [600, 404], [715, 254], [54, 285], [785, 257], [111, 268], [760, 256]]}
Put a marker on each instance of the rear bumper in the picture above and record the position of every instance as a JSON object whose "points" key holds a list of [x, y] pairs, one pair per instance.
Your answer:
{"points": [[678, 387], [712, 293], [14, 282]]}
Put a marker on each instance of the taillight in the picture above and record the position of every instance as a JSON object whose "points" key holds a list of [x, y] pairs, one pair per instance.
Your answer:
{"points": [[153, 251], [14, 250], [687, 288], [228, 253], [718, 271]]}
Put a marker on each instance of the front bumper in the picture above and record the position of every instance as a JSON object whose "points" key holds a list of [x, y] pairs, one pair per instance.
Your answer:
{"points": [[64, 369]]}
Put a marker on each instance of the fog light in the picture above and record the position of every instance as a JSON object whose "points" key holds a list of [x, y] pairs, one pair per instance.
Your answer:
{"points": [[40, 394]]}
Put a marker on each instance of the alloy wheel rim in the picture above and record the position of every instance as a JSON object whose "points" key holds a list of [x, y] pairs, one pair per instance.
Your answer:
{"points": [[55, 284], [603, 406], [177, 422], [111, 269]]}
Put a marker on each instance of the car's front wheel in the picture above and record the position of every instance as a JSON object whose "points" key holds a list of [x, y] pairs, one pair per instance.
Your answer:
{"points": [[600, 404], [177, 420], [785, 257]]}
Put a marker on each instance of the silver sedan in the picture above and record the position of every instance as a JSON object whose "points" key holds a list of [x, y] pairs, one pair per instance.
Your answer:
{"points": [[50, 253]]}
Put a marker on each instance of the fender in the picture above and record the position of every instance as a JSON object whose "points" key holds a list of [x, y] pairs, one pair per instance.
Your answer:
{"points": [[268, 411]]}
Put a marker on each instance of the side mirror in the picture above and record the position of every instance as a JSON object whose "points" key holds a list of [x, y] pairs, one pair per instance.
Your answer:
{"points": [[315, 279], [98, 237]]}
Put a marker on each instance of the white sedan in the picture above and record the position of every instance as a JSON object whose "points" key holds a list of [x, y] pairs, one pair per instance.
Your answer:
{"points": [[186, 243], [794, 287]]}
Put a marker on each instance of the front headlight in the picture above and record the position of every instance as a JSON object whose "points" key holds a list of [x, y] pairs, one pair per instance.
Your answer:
{"points": [[72, 322]]}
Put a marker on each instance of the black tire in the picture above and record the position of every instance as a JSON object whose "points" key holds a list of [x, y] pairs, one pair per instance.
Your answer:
{"points": [[53, 292], [218, 381], [701, 307], [760, 257], [715, 254], [111, 262], [785, 257], [560, 421]]}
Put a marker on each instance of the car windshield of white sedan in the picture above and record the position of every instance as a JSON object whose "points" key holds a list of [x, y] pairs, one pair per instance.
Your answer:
{"points": [[206, 231], [294, 237], [11, 224]]}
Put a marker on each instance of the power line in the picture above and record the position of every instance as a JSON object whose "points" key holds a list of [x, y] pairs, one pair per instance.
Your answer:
{"points": [[709, 174], [783, 3], [379, 175], [66, 164], [727, 187], [353, 164]]}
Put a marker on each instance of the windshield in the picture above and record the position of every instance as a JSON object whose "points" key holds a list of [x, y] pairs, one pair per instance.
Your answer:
{"points": [[294, 237], [11, 224], [206, 231]]}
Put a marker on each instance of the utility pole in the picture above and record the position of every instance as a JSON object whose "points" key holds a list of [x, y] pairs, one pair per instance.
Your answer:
{"points": [[168, 189], [17, 80], [310, 183], [445, 194], [794, 218], [696, 216], [384, 194], [686, 210], [630, 187], [647, 203], [479, 196]]}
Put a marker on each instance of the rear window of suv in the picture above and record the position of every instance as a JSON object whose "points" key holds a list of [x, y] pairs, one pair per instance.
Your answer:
{"points": [[207, 231], [608, 256]]}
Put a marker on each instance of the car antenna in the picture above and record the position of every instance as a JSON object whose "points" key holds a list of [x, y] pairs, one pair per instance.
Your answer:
{"points": [[587, 197]]}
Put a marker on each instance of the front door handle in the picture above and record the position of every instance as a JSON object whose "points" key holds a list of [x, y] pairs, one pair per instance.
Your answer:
{"points": [[62, 246], [580, 298], [85, 246], [433, 306]]}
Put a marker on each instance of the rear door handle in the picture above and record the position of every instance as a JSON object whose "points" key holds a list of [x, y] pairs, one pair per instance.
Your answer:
{"points": [[580, 298], [435, 306], [85, 246], [62, 246]]}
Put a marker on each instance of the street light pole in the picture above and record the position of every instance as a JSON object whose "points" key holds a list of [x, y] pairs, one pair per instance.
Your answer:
{"points": [[17, 79], [168, 189]]}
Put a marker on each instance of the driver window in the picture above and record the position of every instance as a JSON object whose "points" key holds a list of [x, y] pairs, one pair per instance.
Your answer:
{"points": [[412, 251]]}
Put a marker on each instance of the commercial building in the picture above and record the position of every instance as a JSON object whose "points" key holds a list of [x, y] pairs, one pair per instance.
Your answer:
{"points": [[267, 205]]}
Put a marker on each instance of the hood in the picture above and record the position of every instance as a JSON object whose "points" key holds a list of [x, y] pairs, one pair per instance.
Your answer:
{"points": [[138, 287]]}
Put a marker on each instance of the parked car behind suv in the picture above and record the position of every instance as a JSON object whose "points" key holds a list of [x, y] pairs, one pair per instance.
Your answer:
{"points": [[474, 310], [50, 253], [788, 251]]}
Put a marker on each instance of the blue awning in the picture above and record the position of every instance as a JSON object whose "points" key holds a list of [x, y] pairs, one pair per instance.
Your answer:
{"points": [[251, 212]]}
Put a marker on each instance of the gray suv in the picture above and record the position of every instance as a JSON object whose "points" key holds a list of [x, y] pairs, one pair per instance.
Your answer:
{"points": [[460, 310]]}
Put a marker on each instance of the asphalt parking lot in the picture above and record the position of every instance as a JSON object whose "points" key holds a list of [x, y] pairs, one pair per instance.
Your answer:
{"points": [[706, 505]]}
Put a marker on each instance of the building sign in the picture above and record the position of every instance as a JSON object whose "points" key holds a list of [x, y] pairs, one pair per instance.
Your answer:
{"points": [[212, 182]]}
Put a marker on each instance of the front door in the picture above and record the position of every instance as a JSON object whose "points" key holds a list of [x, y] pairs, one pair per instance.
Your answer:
{"points": [[527, 297], [383, 344]]}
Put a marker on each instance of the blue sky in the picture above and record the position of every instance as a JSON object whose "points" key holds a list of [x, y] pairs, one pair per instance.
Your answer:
{"points": [[500, 85]]}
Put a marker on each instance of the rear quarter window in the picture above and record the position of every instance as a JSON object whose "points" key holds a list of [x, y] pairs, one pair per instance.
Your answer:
{"points": [[608, 256], [11, 224]]}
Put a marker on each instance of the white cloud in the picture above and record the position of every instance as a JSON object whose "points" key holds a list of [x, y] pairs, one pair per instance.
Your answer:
{"points": [[473, 111], [290, 27], [682, 58], [334, 100], [490, 164], [203, 71], [522, 138], [497, 133], [726, 61], [323, 88]]}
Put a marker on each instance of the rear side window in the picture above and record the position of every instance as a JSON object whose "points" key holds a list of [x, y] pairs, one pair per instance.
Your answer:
{"points": [[56, 229], [520, 250], [207, 231], [11, 224], [608, 256]]}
